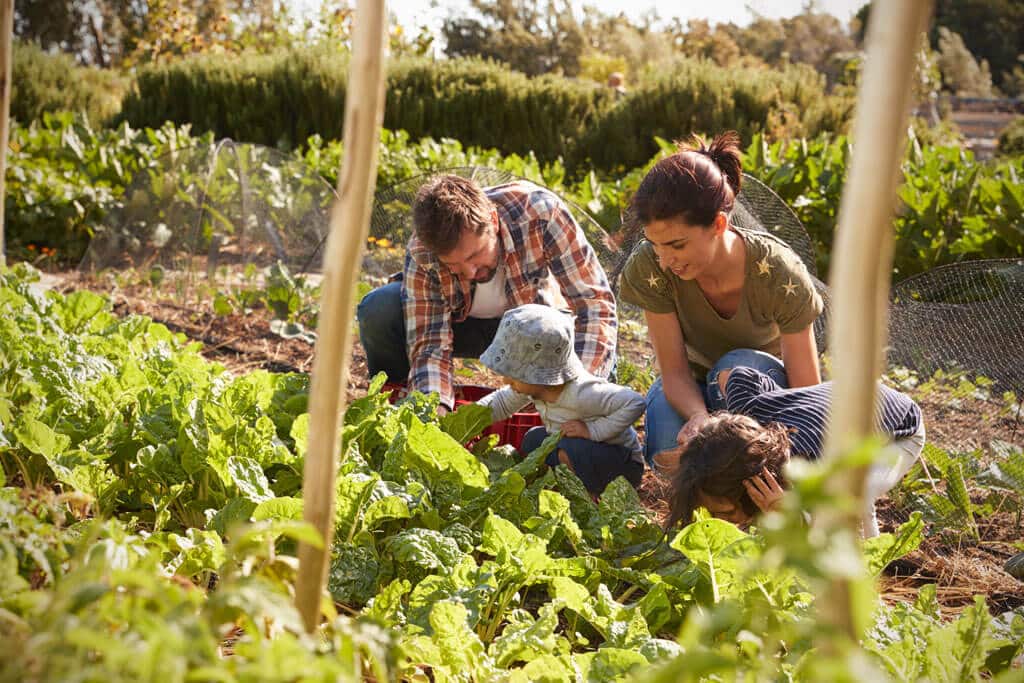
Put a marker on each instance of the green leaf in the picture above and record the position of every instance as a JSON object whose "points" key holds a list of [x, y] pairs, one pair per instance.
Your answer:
{"points": [[423, 551], [79, 308], [957, 652], [609, 664], [197, 551], [884, 548], [385, 510], [248, 476], [524, 638], [278, 508], [353, 575], [237, 511], [466, 422], [386, 606], [300, 434], [39, 438], [704, 543]]}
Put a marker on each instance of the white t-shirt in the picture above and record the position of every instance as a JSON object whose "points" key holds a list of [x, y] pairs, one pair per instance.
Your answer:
{"points": [[489, 300]]}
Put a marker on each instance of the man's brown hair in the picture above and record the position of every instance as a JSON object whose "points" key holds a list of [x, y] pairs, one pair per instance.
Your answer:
{"points": [[445, 206], [725, 451]]}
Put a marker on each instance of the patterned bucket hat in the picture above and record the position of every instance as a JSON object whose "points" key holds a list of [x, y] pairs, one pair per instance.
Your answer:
{"points": [[534, 344]]}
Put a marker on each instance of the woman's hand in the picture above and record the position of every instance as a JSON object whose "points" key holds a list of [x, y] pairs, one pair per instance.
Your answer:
{"points": [[764, 490], [576, 429], [691, 428]]}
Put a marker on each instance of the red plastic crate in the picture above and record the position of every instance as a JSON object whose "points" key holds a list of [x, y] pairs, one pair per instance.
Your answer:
{"points": [[510, 431]]}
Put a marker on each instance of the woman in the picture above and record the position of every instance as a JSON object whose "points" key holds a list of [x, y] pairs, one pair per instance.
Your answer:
{"points": [[715, 296]]}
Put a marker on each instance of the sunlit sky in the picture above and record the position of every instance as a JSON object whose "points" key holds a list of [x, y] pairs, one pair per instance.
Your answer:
{"points": [[414, 13]]}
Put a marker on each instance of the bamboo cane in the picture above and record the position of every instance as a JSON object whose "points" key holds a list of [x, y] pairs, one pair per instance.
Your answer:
{"points": [[863, 255], [6, 39], [348, 229]]}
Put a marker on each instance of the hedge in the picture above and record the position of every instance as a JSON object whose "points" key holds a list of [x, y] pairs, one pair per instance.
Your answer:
{"points": [[701, 97], [48, 83], [284, 98]]}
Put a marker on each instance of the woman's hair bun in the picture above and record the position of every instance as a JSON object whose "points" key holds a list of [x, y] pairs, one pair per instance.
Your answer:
{"points": [[724, 152]]}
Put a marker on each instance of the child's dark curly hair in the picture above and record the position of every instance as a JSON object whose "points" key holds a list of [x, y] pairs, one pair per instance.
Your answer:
{"points": [[727, 449]]}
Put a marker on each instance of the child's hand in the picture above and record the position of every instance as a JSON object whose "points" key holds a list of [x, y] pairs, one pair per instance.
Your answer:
{"points": [[575, 429], [764, 491]]}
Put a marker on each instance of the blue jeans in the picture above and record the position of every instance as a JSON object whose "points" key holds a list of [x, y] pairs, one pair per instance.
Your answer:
{"points": [[382, 332], [597, 464], [661, 421]]}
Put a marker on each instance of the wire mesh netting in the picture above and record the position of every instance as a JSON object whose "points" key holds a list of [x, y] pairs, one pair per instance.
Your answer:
{"points": [[211, 214], [963, 317]]}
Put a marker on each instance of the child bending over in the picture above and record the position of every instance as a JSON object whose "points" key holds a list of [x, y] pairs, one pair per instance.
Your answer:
{"points": [[533, 352], [734, 465]]}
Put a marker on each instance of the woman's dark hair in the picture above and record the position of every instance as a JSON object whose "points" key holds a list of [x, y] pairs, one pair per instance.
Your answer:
{"points": [[727, 449], [693, 184]]}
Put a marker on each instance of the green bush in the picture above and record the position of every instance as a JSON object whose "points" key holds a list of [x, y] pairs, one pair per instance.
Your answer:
{"points": [[282, 99], [701, 97], [951, 207], [43, 82], [1011, 140]]}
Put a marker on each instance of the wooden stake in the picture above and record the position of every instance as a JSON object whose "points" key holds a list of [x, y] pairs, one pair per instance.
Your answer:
{"points": [[863, 252], [6, 57], [364, 107]]}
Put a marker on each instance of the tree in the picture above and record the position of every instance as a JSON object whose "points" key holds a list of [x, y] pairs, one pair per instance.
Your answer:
{"points": [[529, 37], [961, 74], [992, 30]]}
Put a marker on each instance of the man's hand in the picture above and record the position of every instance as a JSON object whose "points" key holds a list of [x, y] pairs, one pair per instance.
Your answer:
{"points": [[576, 429], [691, 428], [442, 410], [764, 490]]}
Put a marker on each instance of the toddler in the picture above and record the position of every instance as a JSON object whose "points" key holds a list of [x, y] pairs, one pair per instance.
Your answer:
{"points": [[533, 352]]}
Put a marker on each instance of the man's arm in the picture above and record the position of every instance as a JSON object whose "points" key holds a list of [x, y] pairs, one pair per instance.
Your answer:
{"points": [[584, 285], [428, 332]]}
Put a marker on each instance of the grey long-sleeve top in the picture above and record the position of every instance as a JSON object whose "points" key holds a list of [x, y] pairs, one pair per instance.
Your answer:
{"points": [[608, 410]]}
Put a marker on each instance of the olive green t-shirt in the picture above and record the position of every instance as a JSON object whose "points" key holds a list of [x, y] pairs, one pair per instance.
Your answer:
{"points": [[778, 298]]}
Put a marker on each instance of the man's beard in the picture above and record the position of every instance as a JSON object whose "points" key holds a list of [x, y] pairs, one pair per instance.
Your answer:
{"points": [[486, 278]]}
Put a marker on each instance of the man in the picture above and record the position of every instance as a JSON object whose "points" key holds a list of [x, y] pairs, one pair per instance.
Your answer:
{"points": [[476, 253]]}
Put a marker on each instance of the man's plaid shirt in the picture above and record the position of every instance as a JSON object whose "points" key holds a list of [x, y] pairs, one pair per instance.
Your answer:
{"points": [[538, 236]]}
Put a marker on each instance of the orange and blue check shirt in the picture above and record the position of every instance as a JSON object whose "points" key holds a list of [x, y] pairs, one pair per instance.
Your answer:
{"points": [[539, 236]]}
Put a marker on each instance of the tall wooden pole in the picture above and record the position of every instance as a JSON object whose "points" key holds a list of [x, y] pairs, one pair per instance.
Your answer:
{"points": [[863, 253], [364, 107], [6, 57]]}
